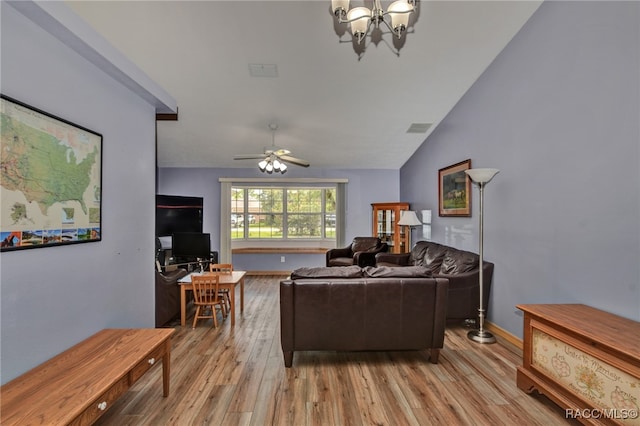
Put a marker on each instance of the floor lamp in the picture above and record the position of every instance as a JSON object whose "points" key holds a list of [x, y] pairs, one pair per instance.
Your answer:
{"points": [[481, 177], [409, 219]]}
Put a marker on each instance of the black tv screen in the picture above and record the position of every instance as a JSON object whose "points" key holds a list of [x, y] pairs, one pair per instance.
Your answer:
{"points": [[178, 214], [191, 244]]}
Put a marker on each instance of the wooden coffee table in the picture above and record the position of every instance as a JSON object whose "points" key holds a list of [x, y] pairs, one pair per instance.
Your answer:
{"points": [[77, 386]]}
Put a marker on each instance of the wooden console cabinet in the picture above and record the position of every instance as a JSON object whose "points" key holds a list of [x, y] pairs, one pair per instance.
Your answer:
{"points": [[80, 384], [584, 359]]}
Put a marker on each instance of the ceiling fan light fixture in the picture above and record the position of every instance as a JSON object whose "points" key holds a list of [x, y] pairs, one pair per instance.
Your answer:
{"points": [[273, 157]]}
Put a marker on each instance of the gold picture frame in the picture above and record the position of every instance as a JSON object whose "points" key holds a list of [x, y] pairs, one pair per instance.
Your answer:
{"points": [[454, 190]]}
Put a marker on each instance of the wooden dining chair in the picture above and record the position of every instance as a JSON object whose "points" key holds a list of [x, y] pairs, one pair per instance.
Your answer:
{"points": [[206, 295], [223, 268]]}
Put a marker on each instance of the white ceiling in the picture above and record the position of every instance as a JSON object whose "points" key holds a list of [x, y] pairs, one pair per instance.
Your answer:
{"points": [[334, 107]]}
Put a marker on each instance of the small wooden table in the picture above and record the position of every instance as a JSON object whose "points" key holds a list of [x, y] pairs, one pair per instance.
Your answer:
{"points": [[227, 282], [77, 386]]}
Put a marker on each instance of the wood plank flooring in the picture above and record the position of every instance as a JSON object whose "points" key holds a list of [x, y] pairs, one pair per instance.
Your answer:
{"points": [[236, 376]]}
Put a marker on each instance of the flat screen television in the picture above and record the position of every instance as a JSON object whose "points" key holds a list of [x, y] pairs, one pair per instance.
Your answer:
{"points": [[175, 213], [191, 245]]}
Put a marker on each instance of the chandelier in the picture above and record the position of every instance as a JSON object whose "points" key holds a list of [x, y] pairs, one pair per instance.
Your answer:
{"points": [[362, 18]]}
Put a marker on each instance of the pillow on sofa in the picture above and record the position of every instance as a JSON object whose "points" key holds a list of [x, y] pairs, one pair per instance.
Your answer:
{"points": [[433, 256], [396, 272], [328, 272], [458, 262]]}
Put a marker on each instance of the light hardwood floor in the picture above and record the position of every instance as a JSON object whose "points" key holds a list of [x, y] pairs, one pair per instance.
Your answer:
{"points": [[236, 376]]}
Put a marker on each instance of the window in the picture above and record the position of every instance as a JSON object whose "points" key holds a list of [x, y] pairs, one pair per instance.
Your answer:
{"points": [[283, 213]]}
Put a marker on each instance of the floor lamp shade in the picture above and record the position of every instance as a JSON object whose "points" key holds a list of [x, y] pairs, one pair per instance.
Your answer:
{"points": [[409, 219], [481, 177]]}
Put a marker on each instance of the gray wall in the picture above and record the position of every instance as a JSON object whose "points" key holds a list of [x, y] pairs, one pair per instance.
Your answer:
{"points": [[364, 187], [51, 298], [558, 113]]}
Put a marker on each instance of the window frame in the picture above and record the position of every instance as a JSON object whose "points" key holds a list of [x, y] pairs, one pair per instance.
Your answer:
{"points": [[246, 241]]}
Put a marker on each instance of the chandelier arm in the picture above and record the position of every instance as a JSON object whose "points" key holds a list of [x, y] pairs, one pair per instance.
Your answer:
{"points": [[388, 26], [404, 12], [348, 21]]}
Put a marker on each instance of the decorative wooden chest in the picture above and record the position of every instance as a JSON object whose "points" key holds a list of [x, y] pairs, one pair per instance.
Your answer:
{"points": [[585, 360]]}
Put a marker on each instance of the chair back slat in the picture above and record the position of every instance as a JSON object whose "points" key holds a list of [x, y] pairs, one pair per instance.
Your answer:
{"points": [[205, 288], [221, 268]]}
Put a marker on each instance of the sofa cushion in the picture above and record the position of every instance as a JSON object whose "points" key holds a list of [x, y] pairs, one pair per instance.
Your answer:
{"points": [[458, 262], [341, 261], [429, 255], [396, 272], [328, 272]]}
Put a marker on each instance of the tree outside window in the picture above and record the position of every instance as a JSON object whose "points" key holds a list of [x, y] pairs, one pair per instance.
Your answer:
{"points": [[283, 213]]}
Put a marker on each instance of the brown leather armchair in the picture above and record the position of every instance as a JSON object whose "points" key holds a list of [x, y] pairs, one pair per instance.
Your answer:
{"points": [[361, 252]]}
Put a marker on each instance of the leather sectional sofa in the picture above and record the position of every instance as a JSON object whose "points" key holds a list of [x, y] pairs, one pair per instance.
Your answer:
{"points": [[362, 309], [461, 268]]}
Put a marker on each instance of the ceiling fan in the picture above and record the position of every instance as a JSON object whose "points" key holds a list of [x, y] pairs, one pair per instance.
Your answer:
{"points": [[273, 158]]}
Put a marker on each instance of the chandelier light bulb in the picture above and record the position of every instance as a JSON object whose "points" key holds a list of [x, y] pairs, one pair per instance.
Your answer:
{"points": [[399, 12], [262, 165], [360, 18], [276, 164], [283, 168], [340, 7]]}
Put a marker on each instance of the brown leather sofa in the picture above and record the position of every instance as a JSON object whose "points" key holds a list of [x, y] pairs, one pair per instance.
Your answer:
{"points": [[348, 309], [461, 268], [361, 252], [168, 295]]}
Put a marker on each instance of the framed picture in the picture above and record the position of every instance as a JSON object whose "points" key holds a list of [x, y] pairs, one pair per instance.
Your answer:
{"points": [[454, 190], [50, 179]]}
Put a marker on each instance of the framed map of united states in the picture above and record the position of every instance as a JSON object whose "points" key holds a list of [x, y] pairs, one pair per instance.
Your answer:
{"points": [[50, 179]]}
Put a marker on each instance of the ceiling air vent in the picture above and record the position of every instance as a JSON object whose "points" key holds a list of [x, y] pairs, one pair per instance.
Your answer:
{"points": [[418, 127], [263, 70]]}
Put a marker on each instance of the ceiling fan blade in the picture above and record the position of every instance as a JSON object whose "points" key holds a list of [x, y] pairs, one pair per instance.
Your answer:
{"points": [[294, 160], [249, 156]]}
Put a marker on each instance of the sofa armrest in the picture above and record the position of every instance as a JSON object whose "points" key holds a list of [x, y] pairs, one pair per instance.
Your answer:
{"points": [[464, 292], [470, 279], [171, 277], [338, 252], [393, 259]]}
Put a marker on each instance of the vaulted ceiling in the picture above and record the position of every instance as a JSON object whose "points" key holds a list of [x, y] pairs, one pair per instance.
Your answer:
{"points": [[336, 104]]}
